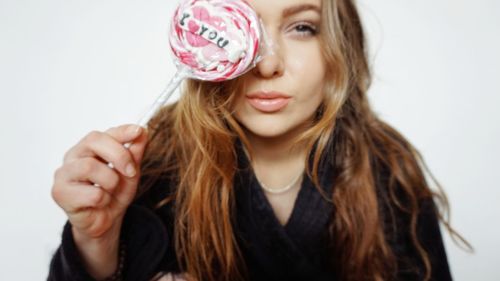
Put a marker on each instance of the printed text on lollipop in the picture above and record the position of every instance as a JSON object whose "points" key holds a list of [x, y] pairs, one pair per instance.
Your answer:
{"points": [[212, 35], [213, 30]]}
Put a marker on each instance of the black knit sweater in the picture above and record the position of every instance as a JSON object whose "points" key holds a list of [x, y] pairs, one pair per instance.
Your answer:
{"points": [[295, 251]]}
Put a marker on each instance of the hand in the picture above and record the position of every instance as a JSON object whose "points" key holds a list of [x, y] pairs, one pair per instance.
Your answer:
{"points": [[93, 195]]}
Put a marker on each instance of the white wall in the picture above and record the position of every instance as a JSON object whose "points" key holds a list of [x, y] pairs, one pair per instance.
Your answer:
{"points": [[67, 67], [436, 80]]}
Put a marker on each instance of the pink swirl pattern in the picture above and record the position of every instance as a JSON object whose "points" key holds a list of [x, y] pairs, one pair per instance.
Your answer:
{"points": [[217, 39]]}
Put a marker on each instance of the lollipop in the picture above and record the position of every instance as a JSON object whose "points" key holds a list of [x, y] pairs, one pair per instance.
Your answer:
{"points": [[217, 39], [212, 40]]}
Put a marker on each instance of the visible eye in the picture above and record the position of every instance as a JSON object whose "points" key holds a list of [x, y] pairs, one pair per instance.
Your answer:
{"points": [[305, 29]]}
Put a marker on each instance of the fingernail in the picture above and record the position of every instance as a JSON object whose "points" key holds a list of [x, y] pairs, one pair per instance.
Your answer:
{"points": [[130, 170], [134, 130]]}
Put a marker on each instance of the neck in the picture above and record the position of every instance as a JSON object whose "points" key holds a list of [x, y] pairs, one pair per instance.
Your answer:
{"points": [[274, 160]]}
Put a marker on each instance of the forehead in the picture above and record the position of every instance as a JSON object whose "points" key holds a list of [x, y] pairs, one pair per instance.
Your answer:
{"points": [[284, 8]]}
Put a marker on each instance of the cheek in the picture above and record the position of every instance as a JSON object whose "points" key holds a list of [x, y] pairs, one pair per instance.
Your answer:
{"points": [[309, 78], [306, 58], [240, 109]]}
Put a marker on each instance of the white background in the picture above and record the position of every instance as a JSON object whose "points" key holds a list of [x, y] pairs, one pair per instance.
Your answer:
{"points": [[68, 67]]}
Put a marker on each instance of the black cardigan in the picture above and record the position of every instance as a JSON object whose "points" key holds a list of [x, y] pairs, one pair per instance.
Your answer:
{"points": [[295, 251]]}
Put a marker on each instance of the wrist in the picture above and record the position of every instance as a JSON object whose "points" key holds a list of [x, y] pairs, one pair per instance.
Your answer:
{"points": [[110, 237], [118, 273], [99, 254]]}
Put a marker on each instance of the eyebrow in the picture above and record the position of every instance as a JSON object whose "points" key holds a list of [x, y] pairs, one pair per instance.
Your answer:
{"points": [[298, 9]]}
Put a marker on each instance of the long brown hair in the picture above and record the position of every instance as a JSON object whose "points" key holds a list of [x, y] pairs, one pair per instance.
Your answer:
{"points": [[193, 141]]}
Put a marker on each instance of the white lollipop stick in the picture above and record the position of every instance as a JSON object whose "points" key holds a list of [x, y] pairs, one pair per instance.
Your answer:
{"points": [[181, 74], [233, 24], [215, 40]]}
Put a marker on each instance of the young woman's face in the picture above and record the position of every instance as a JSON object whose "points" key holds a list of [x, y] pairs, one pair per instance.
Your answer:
{"points": [[285, 89]]}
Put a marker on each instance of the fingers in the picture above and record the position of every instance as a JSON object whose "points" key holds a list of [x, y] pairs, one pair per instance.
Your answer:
{"points": [[75, 197], [125, 133], [109, 147], [87, 162], [138, 146], [89, 169], [72, 191]]}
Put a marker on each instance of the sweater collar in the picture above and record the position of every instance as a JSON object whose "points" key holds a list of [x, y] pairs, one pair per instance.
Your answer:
{"points": [[301, 240]]}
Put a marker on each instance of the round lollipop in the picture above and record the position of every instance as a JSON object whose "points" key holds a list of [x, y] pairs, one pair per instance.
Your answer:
{"points": [[212, 40], [217, 39]]}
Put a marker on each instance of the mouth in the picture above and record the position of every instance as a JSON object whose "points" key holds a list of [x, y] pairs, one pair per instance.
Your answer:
{"points": [[268, 102]]}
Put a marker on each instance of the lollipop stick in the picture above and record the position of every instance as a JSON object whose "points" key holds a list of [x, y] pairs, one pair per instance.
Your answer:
{"points": [[179, 76]]}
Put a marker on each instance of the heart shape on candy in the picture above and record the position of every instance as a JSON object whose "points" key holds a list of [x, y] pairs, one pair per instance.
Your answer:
{"points": [[215, 40], [202, 14], [216, 47], [193, 27]]}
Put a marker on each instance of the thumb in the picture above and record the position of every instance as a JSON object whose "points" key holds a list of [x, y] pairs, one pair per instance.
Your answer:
{"points": [[128, 189], [138, 145], [133, 137]]}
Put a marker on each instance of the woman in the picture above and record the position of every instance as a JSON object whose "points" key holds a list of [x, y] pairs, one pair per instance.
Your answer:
{"points": [[282, 174]]}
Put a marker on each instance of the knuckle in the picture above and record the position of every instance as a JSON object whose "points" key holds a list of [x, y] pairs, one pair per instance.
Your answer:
{"points": [[66, 155], [86, 166], [55, 193], [69, 154], [56, 190], [58, 196], [114, 180], [96, 197], [110, 130], [58, 174], [93, 136], [110, 181]]}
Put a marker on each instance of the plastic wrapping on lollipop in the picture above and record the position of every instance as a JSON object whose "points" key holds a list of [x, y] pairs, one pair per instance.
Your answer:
{"points": [[217, 39], [213, 40]]}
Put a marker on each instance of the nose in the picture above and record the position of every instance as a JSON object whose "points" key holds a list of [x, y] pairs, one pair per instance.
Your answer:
{"points": [[271, 64]]}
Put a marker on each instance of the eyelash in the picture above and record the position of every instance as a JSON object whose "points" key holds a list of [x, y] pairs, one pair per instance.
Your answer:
{"points": [[310, 29]]}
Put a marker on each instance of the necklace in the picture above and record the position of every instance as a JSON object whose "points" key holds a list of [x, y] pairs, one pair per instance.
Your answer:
{"points": [[282, 189], [275, 190]]}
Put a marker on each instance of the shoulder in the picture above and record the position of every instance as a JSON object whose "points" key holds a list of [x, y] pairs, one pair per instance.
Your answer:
{"points": [[411, 224]]}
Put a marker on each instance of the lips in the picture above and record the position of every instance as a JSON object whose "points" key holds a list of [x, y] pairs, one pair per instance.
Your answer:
{"points": [[268, 102]]}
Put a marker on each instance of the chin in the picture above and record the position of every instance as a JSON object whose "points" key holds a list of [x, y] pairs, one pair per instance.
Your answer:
{"points": [[271, 125], [266, 128], [267, 132]]}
